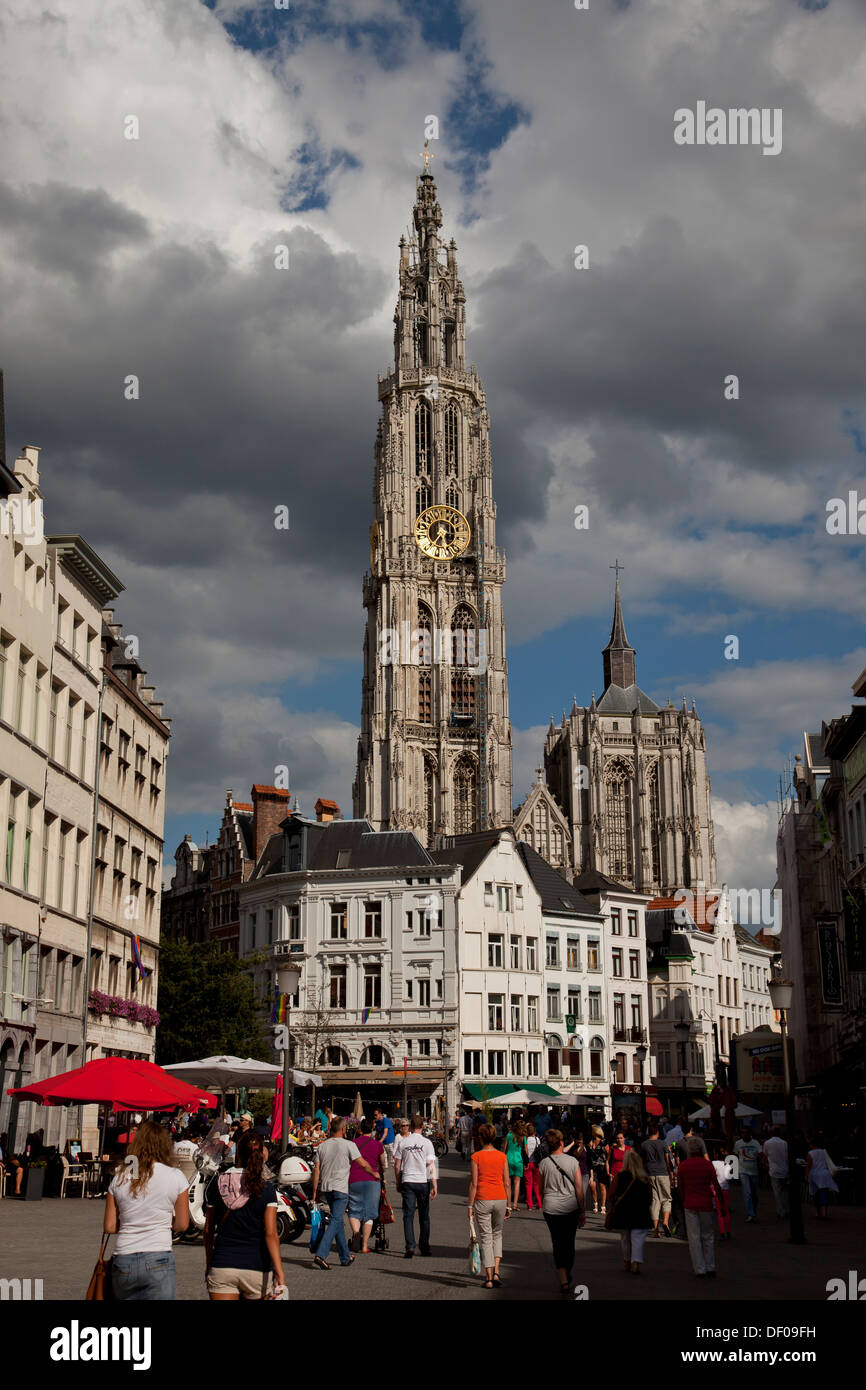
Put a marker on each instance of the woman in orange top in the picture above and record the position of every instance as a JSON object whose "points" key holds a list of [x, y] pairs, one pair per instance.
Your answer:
{"points": [[488, 1199]]}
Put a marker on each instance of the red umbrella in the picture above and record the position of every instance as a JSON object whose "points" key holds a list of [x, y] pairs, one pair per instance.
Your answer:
{"points": [[122, 1082]]}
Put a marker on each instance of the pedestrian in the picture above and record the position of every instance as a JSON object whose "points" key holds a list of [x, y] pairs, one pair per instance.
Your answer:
{"points": [[581, 1153], [402, 1133], [599, 1170], [489, 1202], [630, 1210], [334, 1158], [323, 1118], [697, 1182], [464, 1134], [747, 1151], [775, 1159], [562, 1204], [384, 1131], [723, 1205], [515, 1153], [242, 1248], [147, 1199], [657, 1162], [534, 1156], [543, 1122], [186, 1145], [618, 1151], [415, 1167], [819, 1175], [364, 1191]]}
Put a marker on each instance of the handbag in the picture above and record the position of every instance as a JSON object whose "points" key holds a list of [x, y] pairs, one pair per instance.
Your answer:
{"points": [[99, 1288], [831, 1165], [386, 1213]]}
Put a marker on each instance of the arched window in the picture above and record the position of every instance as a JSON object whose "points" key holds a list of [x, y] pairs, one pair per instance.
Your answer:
{"points": [[463, 644], [429, 798], [423, 498], [556, 846], [424, 636], [333, 1057], [618, 820], [464, 797], [448, 329], [452, 438], [375, 1056], [422, 439], [462, 697], [596, 1057], [655, 812], [452, 495], [420, 325], [554, 1054]]}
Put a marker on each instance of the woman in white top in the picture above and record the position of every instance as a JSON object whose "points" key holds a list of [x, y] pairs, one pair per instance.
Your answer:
{"points": [[819, 1176], [146, 1201]]}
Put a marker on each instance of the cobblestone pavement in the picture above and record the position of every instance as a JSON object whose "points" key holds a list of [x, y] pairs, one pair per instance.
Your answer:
{"points": [[58, 1242]]}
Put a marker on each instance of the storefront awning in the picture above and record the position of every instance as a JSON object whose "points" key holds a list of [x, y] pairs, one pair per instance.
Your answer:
{"points": [[492, 1090]]}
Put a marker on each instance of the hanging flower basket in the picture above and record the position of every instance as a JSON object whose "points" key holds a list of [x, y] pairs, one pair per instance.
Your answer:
{"points": [[115, 1006]]}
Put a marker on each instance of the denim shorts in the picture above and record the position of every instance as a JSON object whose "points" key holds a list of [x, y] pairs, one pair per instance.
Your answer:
{"points": [[364, 1200], [148, 1277]]}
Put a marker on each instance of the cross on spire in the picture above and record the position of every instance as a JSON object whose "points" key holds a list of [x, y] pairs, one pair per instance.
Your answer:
{"points": [[616, 566], [427, 156]]}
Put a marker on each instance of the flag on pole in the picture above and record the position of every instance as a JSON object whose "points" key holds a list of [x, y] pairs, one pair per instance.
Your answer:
{"points": [[143, 970], [365, 1014], [279, 1013]]}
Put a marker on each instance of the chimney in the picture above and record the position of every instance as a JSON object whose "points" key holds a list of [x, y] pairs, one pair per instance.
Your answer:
{"points": [[327, 811], [270, 808]]}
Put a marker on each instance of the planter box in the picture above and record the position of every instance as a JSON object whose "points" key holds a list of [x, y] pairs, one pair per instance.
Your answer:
{"points": [[34, 1183]]}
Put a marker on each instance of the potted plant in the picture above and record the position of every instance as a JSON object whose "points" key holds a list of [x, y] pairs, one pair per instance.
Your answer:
{"points": [[34, 1181]]}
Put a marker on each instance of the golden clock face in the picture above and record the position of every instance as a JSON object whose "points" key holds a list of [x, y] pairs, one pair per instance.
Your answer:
{"points": [[442, 532]]}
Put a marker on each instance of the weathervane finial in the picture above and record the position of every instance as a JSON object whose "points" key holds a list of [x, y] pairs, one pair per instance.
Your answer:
{"points": [[427, 156]]}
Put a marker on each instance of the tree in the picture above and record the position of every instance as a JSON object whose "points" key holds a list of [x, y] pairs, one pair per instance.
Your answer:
{"points": [[206, 1004]]}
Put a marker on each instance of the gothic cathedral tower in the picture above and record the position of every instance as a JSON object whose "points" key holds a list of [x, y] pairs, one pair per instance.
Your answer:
{"points": [[434, 755]]}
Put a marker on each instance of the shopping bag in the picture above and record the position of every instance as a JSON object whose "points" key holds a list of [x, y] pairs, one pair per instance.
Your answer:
{"points": [[386, 1213], [474, 1250], [316, 1219], [99, 1288]]}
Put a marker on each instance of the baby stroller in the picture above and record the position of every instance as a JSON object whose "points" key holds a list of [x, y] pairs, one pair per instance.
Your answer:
{"points": [[385, 1218]]}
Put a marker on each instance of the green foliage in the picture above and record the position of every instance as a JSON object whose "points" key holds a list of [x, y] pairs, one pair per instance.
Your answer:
{"points": [[260, 1105], [206, 1004]]}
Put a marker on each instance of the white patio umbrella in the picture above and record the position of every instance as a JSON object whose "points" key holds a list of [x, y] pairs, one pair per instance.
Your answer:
{"points": [[741, 1112], [225, 1073]]}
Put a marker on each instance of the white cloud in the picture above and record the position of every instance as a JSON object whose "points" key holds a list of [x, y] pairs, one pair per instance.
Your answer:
{"points": [[746, 843]]}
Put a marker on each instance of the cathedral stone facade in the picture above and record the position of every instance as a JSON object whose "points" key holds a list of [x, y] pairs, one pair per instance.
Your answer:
{"points": [[630, 779], [434, 755]]}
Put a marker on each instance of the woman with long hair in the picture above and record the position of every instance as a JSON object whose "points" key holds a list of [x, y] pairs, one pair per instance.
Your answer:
{"points": [[819, 1175], [562, 1204], [533, 1158], [515, 1152], [240, 1235], [598, 1168], [629, 1209], [147, 1200]]}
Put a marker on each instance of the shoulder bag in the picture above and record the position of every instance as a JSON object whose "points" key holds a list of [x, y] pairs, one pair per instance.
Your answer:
{"points": [[99, 1288]]}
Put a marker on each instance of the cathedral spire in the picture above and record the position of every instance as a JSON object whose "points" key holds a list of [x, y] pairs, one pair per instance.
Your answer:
{"points": [[618, 655]]}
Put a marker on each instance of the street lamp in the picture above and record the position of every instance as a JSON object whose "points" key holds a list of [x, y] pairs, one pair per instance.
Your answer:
{"points": [[640, 1053], [781, 996], [288, 978]]}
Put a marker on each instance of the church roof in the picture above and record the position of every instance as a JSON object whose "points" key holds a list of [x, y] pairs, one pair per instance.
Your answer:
{"points": [[557, 894], [616, 700], [618, 640], [469, 851]]}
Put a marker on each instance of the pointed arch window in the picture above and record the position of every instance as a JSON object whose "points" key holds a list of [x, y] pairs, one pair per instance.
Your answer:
{"points": [[463, 643], [655, 813], [452, 495], [420, 334], [448, 330], [462, 698], [424, 657], [429, 799], [422, 439], [423, 498], [464, 797], [618, 820], [452, 438]]}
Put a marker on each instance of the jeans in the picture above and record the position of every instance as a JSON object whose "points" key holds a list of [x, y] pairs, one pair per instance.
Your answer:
{"points": [[632, 1243], [147, 1277], [416, 1194], [533, 1191], [749, 1184], [699, 1225], [335, 1229], [490, 1216], [780, 1192]]}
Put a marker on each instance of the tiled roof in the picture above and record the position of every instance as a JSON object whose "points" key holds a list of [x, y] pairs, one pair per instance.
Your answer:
{"points": [[696, 908], [242, 805], [261, 790], [617, 700], [556, 893]]}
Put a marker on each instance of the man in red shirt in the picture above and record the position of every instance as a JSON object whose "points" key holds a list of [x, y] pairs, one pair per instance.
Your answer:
{"points": [[697, 1181]]}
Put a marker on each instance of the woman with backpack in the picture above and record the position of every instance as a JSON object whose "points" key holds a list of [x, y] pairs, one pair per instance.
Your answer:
{"points": [[629, 1209], [240, 1237]]}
